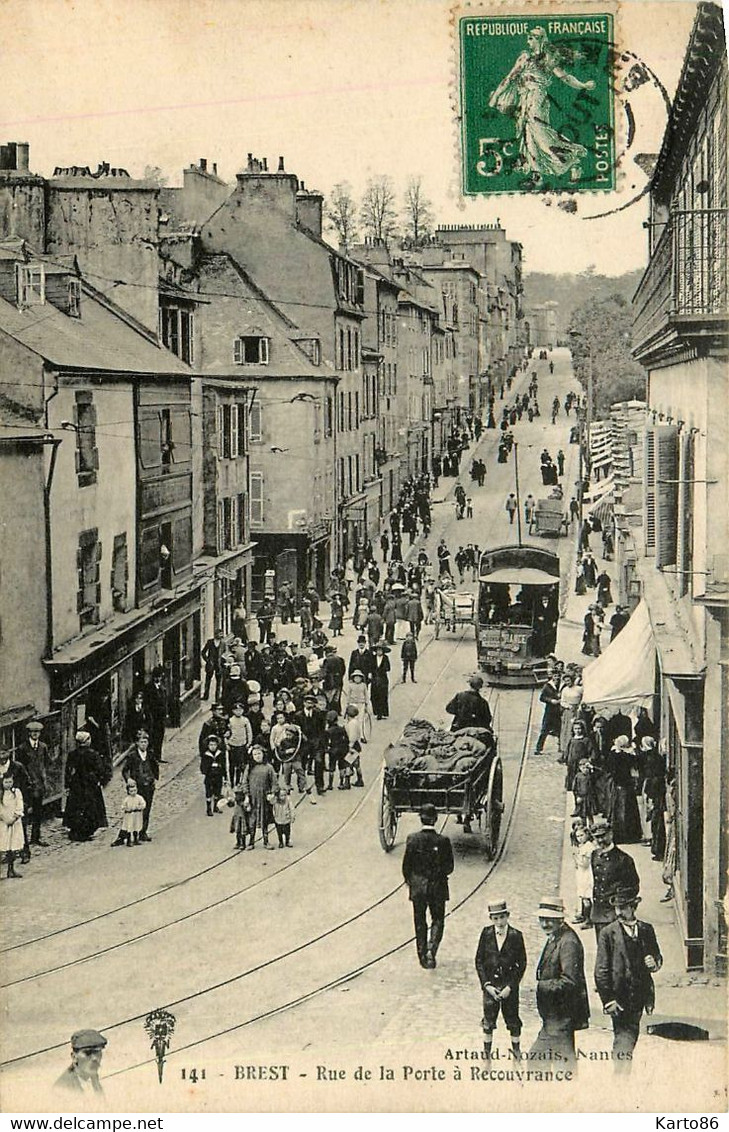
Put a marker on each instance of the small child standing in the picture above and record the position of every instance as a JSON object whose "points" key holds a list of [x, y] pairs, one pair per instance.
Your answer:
{"points": [[12, 837], [353, 727], [469, 507], [283, 816], [239, 820], [582, 848], [133, 808], [583, 787], [408, 656]]}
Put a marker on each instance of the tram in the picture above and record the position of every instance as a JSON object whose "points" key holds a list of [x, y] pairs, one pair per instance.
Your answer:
{"points": [[517, 613]]}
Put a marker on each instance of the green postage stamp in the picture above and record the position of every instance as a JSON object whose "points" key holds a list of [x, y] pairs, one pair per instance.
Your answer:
{"points": [[537, 110]]}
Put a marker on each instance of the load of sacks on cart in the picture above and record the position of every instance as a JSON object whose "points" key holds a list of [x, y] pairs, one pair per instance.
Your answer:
{"points": [[425, 754]]}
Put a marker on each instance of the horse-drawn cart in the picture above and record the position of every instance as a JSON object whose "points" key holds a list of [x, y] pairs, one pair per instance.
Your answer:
{"points": [[453, 609], [468, 786]]}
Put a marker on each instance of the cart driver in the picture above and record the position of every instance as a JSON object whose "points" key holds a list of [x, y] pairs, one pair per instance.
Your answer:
{"points": [[469, 708]]}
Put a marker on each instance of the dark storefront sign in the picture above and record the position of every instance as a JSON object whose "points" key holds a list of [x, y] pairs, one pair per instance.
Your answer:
{"points": [[71, 676]]}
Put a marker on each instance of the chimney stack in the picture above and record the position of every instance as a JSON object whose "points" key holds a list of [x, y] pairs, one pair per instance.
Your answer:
{"points": [[265, 165], [22, 157], [281, 165], [203, 164], [215, 168]]}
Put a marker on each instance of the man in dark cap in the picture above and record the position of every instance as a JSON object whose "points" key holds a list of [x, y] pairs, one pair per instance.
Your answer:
{"points": [[34, 756], [426, 866], [469, 708], [82, 1075], [312, 723], [627, 956]]}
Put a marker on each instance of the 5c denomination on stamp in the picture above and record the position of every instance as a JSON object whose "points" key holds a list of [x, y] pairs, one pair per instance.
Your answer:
{"points": [[537, 103]]}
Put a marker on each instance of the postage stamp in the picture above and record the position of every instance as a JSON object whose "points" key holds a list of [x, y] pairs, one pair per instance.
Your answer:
{"points": [[537, 103]]}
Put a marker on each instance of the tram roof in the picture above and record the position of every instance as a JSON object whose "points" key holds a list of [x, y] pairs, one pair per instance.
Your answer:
{"points": [[527, 564], [519, 576]]}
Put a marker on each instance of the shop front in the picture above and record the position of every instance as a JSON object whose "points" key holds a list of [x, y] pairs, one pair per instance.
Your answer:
{"points": [[93, 680], [232, 586]]}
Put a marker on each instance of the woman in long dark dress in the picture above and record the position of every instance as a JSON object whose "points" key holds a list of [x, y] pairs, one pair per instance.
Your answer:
{"points": [[380, 686], [85, 810], [625, 816]]}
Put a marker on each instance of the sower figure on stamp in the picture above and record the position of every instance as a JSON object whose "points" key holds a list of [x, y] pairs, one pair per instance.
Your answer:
{"points": [[525, 91], [501, 963], [561, 988], [426, 866], [627, 956]]}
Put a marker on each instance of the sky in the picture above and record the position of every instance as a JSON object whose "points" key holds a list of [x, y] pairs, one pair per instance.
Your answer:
{"points": [[343, 89]]}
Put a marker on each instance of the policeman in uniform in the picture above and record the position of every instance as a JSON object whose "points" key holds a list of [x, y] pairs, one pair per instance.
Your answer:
{"points": [[612, 870]]}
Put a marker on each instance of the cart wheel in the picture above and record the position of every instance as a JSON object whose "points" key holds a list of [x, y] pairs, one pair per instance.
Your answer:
{"points": [[367, 725], [387, 819], [494, 808]]}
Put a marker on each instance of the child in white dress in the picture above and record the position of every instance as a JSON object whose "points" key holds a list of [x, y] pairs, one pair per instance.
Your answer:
{"points": [[12, 837], [582, 848], [133, 808]]}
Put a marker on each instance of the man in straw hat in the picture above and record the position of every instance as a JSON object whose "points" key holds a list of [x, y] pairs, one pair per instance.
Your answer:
{"points": [[612, 869], [426, 866], [627, 956], [501, 963], [561, 987]]}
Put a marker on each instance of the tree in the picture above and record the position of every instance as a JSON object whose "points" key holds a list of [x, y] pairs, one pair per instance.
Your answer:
{"points": [[601, 329], [341, 214], [154, 174], [378, 215], [417, 211]]}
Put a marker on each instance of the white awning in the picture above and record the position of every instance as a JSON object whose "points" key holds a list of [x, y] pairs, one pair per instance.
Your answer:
{"points": [[598, 490], [626, 671]]}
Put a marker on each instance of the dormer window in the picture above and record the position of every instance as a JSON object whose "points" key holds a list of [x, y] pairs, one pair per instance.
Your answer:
{"points": [[312, 349], [74, 298], [251, 349], [31, 284]]}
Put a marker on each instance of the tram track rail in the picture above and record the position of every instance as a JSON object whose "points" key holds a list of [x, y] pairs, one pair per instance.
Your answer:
{"points": [[161, 893], [329, 932]]}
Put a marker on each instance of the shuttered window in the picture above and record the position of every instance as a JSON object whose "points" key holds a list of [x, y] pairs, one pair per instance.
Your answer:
{"points": [[149, 561], [660, 503], [87, 454], [649, 491], [255, 422], [88, 562], [685, 531], [256, 498]]}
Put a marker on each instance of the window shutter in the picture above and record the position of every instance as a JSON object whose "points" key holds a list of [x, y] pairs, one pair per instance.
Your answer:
{"points": [[220, 532], [666, 494], [649, 491], [233, 431], [684, 542], [242, 517], [317, 423], [238, 352], [264, 351], [219, 425]]}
